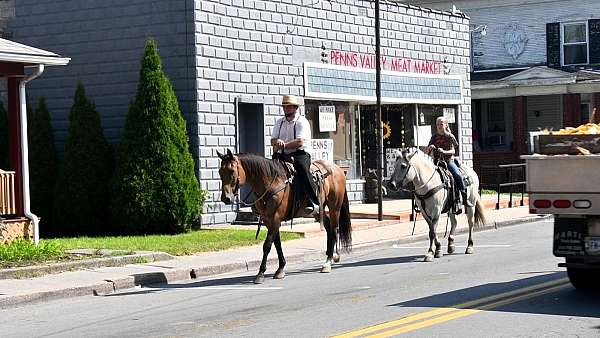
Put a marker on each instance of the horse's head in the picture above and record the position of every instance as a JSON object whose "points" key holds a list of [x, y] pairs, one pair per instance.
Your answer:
{"points": [[401, 168], [230, 176]]}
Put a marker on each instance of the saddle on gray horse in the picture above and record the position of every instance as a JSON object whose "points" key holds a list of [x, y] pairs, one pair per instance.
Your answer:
{"points": [[453, 201]]}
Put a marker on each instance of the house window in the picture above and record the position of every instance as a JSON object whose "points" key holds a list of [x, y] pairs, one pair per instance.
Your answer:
{"points": [[574, 43], [496, 124]]}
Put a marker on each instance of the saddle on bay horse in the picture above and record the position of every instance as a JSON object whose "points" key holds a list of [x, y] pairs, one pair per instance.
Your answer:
{"points": [[318, 174]]}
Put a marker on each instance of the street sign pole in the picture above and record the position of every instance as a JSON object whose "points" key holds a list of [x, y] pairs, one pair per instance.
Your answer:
{"points": [[379, 122]]}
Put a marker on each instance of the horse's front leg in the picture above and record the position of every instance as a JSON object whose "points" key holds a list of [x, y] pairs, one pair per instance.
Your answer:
{"points": [[260, 277], [279, 274], [451, 247], [433, 239]]}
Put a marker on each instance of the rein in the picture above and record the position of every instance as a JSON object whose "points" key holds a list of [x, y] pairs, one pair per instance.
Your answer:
{"points": [[243, 202], [414, 191]]}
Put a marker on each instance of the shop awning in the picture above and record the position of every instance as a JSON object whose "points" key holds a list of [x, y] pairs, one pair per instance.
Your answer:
{"points": [[331, 82]]}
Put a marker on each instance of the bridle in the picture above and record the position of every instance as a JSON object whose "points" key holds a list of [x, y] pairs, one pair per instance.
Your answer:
{"points": [[413, 191], [264, 194]]}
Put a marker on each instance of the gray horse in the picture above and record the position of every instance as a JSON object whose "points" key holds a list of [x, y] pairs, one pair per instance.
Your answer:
{"points": [[414, 171]]}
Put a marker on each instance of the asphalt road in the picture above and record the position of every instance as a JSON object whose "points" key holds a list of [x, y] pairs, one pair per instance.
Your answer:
{"points": [[510, 287]]}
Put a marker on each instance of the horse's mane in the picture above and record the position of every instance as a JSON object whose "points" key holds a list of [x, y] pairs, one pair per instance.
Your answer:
{"points": [[255, 165]]}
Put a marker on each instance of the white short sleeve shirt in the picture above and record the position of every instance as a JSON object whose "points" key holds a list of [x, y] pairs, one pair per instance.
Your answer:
{"points": [[285, 130]]}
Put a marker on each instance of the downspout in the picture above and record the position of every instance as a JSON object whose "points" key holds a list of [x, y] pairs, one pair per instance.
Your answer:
{"points": [[39, 69]]}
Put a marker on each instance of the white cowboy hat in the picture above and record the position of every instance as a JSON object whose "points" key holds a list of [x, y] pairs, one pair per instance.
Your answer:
{"points": [[290, 100]]}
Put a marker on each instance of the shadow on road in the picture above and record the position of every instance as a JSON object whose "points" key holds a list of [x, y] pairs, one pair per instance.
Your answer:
{"points": [[564, 302]]}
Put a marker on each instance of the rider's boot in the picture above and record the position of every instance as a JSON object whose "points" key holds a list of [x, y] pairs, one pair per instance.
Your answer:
{"points": [[458, 204], [311, 209], [466, 199]]}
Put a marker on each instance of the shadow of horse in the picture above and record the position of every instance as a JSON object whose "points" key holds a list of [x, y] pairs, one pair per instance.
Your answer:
{"points": [[568, 301]]}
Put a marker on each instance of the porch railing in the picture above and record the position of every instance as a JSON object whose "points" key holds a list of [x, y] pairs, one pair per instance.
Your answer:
{"points": [[514, 176], [7, 192]]}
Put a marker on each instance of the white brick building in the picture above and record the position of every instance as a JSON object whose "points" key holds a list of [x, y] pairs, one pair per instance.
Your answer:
{"points": [[230, 62]]}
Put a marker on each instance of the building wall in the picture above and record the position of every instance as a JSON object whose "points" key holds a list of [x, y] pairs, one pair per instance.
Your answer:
{"points": [[217, 51], [255, 50], [550, 112], [7, 14], [105, 42], [504, 17]]}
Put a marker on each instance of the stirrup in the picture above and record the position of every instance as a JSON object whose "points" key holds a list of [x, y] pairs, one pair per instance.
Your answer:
{"points": [[312, 209]]}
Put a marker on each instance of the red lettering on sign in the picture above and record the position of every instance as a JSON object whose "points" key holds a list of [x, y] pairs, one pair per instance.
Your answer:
{"points": [[362, 60]]}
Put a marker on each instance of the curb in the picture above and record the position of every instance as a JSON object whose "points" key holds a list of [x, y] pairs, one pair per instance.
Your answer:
{"points": [[184, 274], [115, 261]]}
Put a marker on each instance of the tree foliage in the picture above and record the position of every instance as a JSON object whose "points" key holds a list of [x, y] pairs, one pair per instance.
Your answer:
{"points": [[155, 189], [43, 166], [83, 185]]}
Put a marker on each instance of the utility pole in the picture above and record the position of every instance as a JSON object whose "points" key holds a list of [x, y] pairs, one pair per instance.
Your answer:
{"points": [[379, 123]]}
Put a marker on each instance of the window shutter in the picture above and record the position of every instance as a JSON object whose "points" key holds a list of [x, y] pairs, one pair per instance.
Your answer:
{"points": [[553, 44], [594, 32]]}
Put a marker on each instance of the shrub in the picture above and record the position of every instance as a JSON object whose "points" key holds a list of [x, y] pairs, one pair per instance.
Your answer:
{"points": [[43, 165], [155, 189], [82, 188]]}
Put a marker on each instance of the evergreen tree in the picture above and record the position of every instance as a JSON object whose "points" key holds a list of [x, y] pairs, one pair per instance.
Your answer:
{"points": [[83, 184], [43, 166], [155, 189], [3, 138]]}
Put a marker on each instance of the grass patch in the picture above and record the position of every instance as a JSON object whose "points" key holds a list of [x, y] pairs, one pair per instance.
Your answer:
{"points": [[141, 260], [183, 244], [24, 252]]}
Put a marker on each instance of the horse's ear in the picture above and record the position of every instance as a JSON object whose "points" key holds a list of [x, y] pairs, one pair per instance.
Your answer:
{"points": [[221, 156], [229, 153], [411, 154]]}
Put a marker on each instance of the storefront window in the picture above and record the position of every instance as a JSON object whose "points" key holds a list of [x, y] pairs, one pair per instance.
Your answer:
{"points": [[427, 114], [335, 120]]}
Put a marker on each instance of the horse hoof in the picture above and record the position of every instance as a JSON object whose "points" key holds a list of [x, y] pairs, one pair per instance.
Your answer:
{"points": [[469, 250], [279, 275], [325, 269], [336, 258], [259, 279], [451, 249], [438, 254], [428, 258]]}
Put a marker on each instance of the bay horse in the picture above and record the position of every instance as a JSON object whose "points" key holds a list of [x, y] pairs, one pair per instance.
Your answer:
{"points": [[414, 171], [268, 180]]}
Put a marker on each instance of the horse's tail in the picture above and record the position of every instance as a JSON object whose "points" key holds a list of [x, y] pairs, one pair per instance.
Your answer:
{"points": [[479, 214], [345, 225]]}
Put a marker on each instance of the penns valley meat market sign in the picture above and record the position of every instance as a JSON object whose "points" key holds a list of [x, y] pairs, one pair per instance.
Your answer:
{"points": [[362, 60]]}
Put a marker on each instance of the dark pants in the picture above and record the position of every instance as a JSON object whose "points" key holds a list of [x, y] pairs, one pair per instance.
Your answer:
{"points": [[302, 165], [458, 179]]}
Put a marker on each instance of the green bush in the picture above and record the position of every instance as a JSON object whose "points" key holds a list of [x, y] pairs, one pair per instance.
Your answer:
{"points": [[155, 189], [43, 166], [3, 138], [83, 184]]}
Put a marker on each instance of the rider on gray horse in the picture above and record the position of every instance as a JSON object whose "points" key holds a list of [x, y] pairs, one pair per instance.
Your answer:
{"points": [[442, 146]]}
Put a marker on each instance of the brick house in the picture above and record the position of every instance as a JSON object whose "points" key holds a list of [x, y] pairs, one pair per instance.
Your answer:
{"points": [[231, 61]]}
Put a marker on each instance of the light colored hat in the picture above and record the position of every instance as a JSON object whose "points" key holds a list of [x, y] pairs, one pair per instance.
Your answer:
{"points": [[290, 100]]}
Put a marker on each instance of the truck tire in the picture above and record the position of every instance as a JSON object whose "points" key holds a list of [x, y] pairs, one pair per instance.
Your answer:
{"points": [[581, 279]]}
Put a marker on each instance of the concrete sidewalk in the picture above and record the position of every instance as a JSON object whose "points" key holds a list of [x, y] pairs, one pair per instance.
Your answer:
{"points": [[367, 234]]}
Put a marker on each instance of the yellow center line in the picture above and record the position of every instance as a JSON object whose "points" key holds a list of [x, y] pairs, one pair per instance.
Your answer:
{"points": [[463, 313], [457, 311]]}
